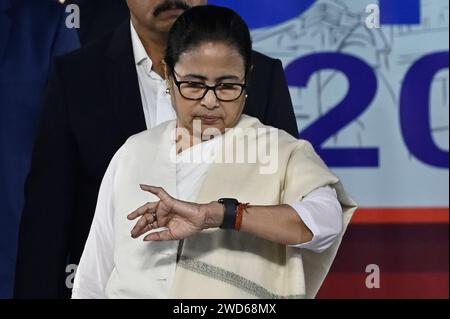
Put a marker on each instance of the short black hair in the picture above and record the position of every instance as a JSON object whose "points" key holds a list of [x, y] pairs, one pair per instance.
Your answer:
{"points": [[208, 23]]}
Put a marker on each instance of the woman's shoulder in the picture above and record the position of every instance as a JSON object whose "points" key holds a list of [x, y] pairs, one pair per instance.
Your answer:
{"points": [[284, 139], [151, 136], [146, 142]]}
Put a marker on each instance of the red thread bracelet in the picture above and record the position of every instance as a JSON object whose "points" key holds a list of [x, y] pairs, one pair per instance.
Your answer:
{"points": [[240, 215]]}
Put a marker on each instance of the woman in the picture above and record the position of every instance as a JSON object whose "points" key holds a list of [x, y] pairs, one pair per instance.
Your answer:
{"points": [[252, 212]]}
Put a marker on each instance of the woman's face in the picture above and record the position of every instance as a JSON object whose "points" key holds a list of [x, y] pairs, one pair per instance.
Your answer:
{"points": [[210, 63]]}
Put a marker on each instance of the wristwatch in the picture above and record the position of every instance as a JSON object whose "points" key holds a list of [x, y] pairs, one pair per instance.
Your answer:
{"points": [[230, 209]]}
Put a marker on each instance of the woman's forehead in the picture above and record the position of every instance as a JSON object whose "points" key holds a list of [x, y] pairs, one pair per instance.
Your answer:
{"points": [[212, 61], [212, 52]]}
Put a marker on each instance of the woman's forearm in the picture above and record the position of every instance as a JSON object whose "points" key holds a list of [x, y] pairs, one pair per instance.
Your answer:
{"points": [[280, 224]]}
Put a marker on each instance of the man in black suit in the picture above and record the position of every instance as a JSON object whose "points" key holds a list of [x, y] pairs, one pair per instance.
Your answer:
{"points": [[98, 97], [98, 17]]}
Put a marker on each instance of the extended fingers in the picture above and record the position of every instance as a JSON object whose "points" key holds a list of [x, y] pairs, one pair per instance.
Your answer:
{"points": [[147, 208]]}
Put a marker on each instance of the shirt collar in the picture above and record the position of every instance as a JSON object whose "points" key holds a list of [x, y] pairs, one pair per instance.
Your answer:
{"points": [[140, 54]]}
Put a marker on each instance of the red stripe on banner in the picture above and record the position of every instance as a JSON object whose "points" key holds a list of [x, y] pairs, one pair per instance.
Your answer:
{"points": [[411, 258], [394, 248], [401, 216], [392, 285]]}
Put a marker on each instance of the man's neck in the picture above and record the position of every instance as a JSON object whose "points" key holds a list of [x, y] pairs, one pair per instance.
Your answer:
{"points": [[155, 46]]}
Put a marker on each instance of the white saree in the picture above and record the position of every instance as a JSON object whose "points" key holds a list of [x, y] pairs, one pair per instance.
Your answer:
{"points": [[218, 263]]}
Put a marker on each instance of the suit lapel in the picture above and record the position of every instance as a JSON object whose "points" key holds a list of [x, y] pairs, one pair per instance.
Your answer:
{"points": [[5, 25], [123, 83]]}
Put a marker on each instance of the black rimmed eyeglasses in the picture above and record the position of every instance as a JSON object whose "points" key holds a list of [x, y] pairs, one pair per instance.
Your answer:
{"points": [[195, 91]]}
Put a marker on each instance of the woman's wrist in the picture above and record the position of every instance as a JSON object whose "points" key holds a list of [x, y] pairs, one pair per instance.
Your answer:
{"points": [[214, 213]]}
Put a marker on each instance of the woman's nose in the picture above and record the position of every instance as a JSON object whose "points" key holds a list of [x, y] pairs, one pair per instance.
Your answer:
{"points": [[210, 100]]}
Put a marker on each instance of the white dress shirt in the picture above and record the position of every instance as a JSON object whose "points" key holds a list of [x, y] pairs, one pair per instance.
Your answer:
{"points": [[155, 101]]}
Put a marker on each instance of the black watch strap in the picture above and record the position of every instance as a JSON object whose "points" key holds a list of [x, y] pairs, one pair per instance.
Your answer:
{"points": [[229, 216]]}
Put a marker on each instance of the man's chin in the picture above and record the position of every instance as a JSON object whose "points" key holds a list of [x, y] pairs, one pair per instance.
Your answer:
{"points": [[164, 26]]}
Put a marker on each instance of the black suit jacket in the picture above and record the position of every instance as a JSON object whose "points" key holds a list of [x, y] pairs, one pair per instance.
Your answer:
{"points": [[93, 105], [98, 17]]}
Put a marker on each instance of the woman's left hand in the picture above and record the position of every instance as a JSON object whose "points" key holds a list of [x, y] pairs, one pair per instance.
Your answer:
{"points": [[183, 219]]}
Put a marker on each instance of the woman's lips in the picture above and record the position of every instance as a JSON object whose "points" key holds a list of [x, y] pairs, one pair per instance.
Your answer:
{"points": [[209, 119]]}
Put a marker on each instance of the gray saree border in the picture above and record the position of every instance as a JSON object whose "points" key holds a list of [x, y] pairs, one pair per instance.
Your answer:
{"points": [[231, 278]]}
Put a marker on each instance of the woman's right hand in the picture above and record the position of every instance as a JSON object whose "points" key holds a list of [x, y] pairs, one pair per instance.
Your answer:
{"points": [[182, 219]]}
